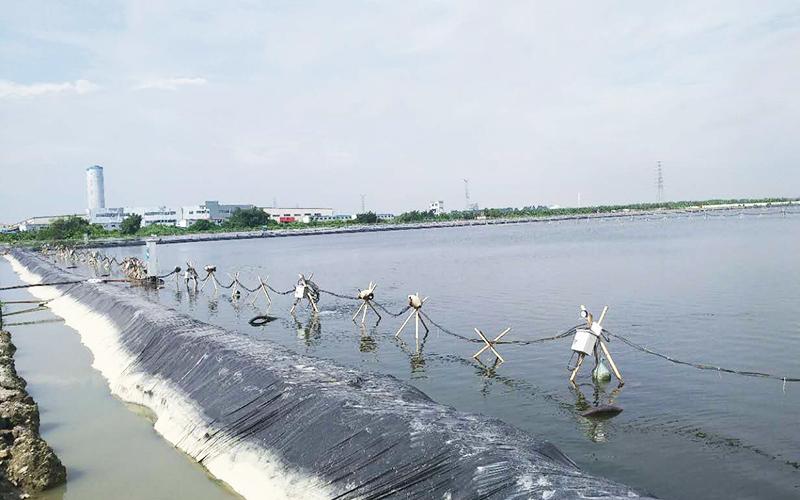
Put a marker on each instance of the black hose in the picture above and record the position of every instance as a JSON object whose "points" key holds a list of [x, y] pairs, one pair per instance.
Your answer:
{"points": [[261, 320]]}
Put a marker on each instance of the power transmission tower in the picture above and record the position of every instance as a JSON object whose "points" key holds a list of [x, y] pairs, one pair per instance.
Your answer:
{"points": [[363, 203], [660, 182], [466, 194]]}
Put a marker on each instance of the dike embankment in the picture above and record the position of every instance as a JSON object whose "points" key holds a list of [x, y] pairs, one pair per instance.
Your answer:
{"points": [[27, 464], [272, 423]]}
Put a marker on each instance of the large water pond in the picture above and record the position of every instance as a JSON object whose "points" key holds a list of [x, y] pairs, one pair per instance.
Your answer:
{"points": [[719, 289]]}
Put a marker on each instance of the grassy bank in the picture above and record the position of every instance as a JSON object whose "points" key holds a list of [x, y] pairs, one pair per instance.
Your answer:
{"points": [[75, 229]]}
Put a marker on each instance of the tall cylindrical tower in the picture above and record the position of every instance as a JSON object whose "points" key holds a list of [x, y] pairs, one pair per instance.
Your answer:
{"points": [[95, 189]]}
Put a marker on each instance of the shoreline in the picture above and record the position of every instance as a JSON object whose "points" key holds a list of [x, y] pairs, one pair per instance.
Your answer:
{"points": [[408, 226]]}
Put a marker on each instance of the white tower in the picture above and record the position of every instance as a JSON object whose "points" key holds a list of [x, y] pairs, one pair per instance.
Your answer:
{"points": [[95, 189]]}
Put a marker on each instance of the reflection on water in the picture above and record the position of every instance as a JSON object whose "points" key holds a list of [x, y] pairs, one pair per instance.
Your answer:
{"points": [[596, 428], [311, 332]]}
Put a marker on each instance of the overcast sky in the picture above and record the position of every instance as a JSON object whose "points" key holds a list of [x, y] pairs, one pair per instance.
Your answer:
{"points": [[316, 103]]}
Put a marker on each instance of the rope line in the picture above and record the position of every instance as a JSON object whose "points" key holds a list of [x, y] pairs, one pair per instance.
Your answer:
{"points": [[540, 340], [339, 295], [700, 366], [23, 311], [83, 255], [390, 313], [287, 292]]}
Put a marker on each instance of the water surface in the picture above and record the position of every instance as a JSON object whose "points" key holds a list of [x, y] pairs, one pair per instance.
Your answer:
{"points": [[715, 289]]}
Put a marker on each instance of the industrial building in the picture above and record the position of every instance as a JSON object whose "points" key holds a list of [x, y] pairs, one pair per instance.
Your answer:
{"points": [[437, 207], [212, 211], [306, 215], [181, 216], [41, 222]]}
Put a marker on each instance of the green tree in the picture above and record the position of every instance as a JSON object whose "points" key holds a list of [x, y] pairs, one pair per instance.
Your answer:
{"points": [[415, 216], [71, 227], [367, 218], [202, 225], [131, 224], [248, 218]]}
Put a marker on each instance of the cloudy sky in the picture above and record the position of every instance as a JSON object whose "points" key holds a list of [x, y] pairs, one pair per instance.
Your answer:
{"points": [[316, 103]]}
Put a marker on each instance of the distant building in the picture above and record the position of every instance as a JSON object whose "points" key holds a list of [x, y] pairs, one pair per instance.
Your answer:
{"points": [[41, 222], [111, 218], [437, 207], [212, 211], [287, 215], [327, 218], [95, 188], [385, 216]]}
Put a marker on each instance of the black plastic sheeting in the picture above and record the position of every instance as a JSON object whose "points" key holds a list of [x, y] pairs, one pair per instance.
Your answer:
{"points": [[365, 435]]}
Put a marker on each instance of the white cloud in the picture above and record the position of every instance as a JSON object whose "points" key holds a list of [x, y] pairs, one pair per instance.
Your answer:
{"points": [[10, 89], [170, 83]]}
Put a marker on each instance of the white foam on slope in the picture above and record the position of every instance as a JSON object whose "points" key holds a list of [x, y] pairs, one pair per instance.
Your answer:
{"points": [[252, 471]]}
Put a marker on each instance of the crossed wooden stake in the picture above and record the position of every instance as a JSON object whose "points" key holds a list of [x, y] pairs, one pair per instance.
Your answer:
{"points": [[301, 291], [415, 302], [596, 328], [366, 296], [263, 286], [490, 344]]}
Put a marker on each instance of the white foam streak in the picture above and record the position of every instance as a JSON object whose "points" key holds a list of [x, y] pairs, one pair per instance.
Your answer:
{"points": [[254, 472]]}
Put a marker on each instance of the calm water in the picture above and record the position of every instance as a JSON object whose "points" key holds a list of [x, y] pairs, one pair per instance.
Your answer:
{"points": [[721, 289]]}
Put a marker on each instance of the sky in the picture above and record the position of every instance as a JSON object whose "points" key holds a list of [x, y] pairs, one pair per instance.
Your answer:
{"points": [[316, 103]]}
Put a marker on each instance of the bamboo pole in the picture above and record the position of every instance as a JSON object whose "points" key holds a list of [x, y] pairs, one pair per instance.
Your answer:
{"points": [[577, 367], [358, 311], [611, 361], [375, 310], [404, 324], [416, 324]]}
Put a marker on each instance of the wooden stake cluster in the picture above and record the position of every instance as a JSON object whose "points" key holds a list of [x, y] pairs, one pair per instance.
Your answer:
{"points": [[190, 275], [210, 270], [303, 291], [235, 293], [595, 328], [366, 296], [416, 303]]}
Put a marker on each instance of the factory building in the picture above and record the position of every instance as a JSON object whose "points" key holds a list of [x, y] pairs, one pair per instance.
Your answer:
{"points": [[306, 215], [41, 222], [212, 211], [437, 207], [111, 218]]}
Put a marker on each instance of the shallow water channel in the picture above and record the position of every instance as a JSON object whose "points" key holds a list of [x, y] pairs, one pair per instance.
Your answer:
{"points": [[109, 448]]}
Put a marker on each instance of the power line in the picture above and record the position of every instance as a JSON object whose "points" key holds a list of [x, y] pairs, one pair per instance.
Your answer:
{"points": [[660, 182]]}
